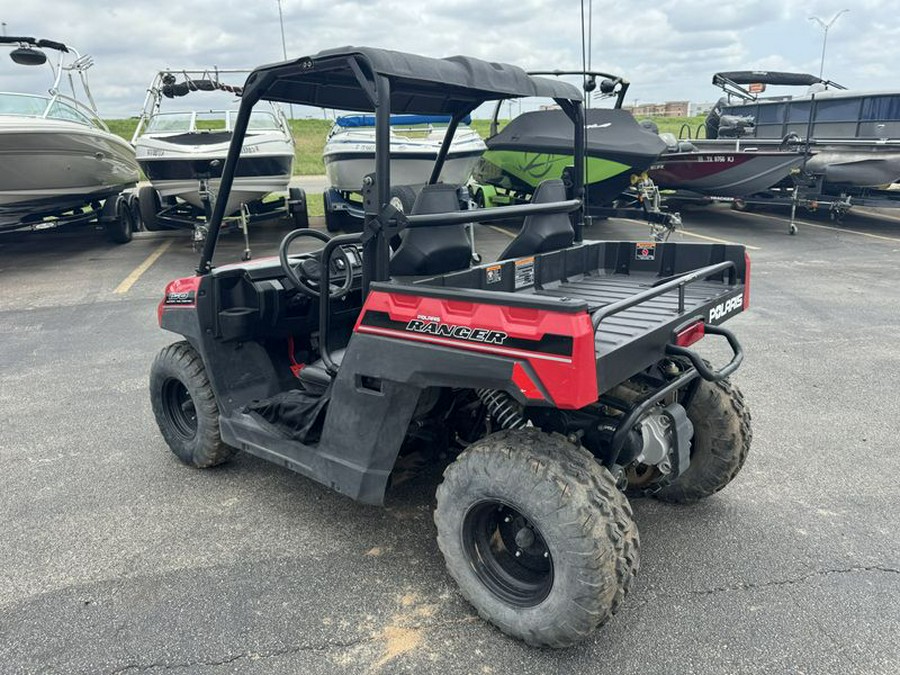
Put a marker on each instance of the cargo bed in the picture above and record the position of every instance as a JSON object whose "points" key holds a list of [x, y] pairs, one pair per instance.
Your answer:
{"points": [[638, 293]]}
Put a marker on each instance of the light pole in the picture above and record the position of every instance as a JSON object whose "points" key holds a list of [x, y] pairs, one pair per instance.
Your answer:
{"points": [[284, 47], [825, 27]]}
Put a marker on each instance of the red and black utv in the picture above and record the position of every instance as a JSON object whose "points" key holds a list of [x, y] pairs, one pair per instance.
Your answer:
{"points": [[560, 376]]}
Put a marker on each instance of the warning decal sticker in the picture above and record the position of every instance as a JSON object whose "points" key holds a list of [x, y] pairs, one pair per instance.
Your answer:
{"points": [[645, 250]]}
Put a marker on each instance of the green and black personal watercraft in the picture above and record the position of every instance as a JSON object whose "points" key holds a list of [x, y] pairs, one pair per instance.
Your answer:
{"points": [[537, 145]]}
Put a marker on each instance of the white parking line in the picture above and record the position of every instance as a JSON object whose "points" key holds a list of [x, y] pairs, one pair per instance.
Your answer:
{"points": [[130, 280], [844, 229], [509, 234], [806, 223], [693, 234]]}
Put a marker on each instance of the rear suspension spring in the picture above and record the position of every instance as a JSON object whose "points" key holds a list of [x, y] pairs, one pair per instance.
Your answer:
{"points": [[503, 408]]}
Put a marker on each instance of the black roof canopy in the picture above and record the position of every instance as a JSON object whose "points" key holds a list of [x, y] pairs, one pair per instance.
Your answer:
{"points": [[339, 78], [768, 77]]}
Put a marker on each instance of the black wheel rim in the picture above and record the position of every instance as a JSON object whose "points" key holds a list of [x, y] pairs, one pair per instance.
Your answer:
{"points": [[179, 409], [508, 553]]}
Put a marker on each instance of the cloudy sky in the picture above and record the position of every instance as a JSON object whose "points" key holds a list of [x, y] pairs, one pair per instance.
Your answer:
{"points": [[668, 49]]}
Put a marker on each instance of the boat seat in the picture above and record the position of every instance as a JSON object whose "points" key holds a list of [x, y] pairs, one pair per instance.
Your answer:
{"points": [[433, 250], [315, 377], [674, 144], [546, 231]]}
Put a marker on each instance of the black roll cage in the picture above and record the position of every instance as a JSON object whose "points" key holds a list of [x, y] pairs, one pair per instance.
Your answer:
{"points": [[381, 219]]}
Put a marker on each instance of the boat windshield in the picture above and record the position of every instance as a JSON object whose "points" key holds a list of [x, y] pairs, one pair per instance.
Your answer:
{"points": [[169, 122], [262, 119], [31, 105], [208, 121]]}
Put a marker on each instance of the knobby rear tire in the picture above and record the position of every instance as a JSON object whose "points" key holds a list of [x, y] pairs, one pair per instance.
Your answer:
{"points": [[585, 521], [720, 444]]}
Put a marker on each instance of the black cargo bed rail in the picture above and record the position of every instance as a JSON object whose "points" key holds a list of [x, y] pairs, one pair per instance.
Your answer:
{"points": [[678, 282]]}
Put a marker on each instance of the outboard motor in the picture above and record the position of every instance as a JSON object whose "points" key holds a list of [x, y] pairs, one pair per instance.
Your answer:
{"points": [[713, 118]]}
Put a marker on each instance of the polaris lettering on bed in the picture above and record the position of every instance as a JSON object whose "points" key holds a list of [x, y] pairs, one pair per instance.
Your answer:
{"points": [[180, 298], [426, 325], [724, 309]]}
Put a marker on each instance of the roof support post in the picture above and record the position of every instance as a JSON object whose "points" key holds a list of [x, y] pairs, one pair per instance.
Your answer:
{"points": [[445, 146], [575, 111], [376, 253], [248, 100]]}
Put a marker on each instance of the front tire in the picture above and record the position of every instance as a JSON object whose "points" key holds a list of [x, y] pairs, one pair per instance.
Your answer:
{"points": [[720, 445], [185, 407], [537, 536]]}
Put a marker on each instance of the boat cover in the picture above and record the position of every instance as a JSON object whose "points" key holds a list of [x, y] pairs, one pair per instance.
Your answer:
{"points": [[398, 120], [419, 84], [768, 77], [611, 134]]}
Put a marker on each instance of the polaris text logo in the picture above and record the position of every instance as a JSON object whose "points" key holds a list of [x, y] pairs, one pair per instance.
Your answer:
{"points": [[424, 325], [726, 308]]}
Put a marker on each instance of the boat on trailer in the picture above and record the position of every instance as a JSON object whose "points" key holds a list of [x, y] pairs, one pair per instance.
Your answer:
{"points": [[855, 135], [182, 153], [349, 152], [59, 163], [415, 141], [537, 145], [727, 170], [852, 138]]}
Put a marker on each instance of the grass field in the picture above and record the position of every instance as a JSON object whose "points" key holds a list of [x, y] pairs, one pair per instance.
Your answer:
{"points": [[310, 134]]}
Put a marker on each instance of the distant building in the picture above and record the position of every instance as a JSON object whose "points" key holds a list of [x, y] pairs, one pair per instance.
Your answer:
{"points": [[667, 109], [700, 108]]}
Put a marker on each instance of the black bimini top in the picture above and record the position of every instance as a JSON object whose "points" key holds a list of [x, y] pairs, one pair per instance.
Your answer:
{"points": [[339, 78], [33, 42], [768, 77], [611, 134]]}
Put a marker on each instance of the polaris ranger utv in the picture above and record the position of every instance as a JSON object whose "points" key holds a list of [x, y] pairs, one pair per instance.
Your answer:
{"points": [[560, 376]]}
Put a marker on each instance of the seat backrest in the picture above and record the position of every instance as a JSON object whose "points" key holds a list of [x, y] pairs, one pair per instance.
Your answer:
{"points": [[546, 231], [433, 250]]}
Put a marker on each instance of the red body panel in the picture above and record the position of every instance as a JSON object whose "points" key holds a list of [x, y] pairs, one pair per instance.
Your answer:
{"points": [[567, 371], [180, 293]]}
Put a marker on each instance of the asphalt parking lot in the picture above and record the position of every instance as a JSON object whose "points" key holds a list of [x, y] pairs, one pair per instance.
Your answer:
{"points": [[115, 558]]}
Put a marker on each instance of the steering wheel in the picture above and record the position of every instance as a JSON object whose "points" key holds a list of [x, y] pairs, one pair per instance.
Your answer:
{"points": [[305, 276]]}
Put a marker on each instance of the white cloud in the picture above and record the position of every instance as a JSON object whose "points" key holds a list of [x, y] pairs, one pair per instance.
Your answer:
{"points": [[669, 50]]}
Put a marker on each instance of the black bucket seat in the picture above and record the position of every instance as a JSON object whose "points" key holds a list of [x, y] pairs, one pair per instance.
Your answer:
{"points": [[546, 231], [433, 250]]}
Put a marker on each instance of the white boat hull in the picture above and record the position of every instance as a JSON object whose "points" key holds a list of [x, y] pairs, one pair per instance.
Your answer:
{"points": [[176, 168], [48, 166], [349, 156]]}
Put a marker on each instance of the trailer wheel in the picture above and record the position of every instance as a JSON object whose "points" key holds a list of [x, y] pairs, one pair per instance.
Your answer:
{"points": [[117, 219], [537, 536], [332, 217], [185, 407], [297, 207], [149, 206], [720, 444]]}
